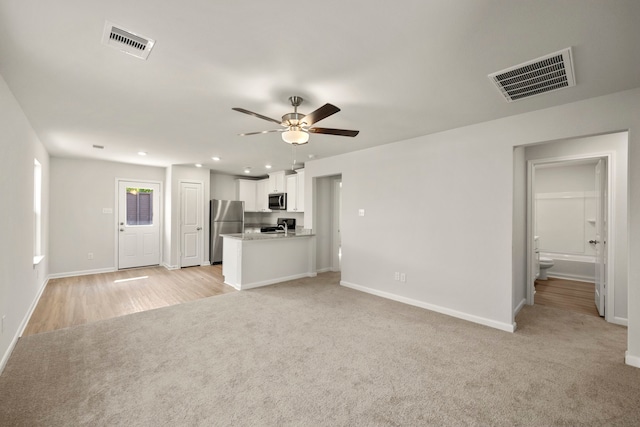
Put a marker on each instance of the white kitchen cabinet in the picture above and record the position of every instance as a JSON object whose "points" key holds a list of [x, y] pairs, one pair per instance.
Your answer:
{"points": [[278, 182], [295, 192], [247, 193], [262, 195]]}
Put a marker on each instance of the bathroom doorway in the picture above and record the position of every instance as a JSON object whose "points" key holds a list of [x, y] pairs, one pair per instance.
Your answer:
{"points": [[569, 200], [605, 247]]}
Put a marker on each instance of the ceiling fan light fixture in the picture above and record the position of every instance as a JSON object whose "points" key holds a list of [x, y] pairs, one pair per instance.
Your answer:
{"points": [[295, 136]]}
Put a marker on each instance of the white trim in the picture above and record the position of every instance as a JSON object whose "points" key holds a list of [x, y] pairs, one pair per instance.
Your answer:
{"points": [[519, 307], [507, 327], [632, 360], [246, 286], [574, 277], [82, 272], [23, 325], [204, 264], [620, 321], [170, 267], [326, 269], [609, 156], [37, 259]]}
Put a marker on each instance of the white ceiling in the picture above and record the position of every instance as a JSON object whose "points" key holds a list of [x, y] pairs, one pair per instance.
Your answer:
{"points": [[396, 69]]}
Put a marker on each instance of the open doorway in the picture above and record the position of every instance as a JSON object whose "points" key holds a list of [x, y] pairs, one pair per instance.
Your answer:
{"points": [[327, 220], [600, 232], [569, 200]]}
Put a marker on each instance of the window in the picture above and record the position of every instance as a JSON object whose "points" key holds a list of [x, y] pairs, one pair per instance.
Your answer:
{"points": [[37, 212], [139, 206]]}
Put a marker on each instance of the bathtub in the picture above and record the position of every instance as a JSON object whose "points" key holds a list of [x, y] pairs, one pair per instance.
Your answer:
{"points": [[572, 267]]}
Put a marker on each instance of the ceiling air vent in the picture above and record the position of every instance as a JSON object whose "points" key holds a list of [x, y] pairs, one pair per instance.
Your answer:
{"points": [[546, 74], [127, 41]]}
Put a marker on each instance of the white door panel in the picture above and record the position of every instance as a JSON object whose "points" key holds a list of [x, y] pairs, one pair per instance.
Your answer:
{"points": [[191, 219], [138, 224]]}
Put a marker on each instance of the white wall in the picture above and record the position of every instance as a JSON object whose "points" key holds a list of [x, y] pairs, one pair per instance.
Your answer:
{"points": [[223, 187], [80, 189], [452, 197], [20, 281], [565, 201], [519, 230], [621, 145]]}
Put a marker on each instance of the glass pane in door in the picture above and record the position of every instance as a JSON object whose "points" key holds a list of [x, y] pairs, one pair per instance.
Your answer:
{"points": [[139, 206]]}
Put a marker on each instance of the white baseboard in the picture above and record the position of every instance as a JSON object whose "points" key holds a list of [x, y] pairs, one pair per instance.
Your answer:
{"points": [[23, 325], [271, 281], [619, 321], [82, 273], [576, 278], [519, 307], [324, 270], [507, 327], [170, 267], [632, 360], [204, 264]]}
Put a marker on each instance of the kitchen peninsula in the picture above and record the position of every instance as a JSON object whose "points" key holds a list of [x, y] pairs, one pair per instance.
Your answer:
{"points": [[252, 260]]}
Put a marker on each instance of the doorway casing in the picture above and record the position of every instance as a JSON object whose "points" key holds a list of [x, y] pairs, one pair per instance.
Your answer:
{"points": [[608, 158]]}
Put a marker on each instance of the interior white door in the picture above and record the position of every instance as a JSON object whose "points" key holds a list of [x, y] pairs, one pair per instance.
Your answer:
{"points": [[600, 240], [191, 224], [138, 224]]}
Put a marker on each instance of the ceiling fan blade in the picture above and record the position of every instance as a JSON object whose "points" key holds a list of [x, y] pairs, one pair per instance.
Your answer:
{"points": [[264, 131], [260, 116], [339, 132], [321, 113]]}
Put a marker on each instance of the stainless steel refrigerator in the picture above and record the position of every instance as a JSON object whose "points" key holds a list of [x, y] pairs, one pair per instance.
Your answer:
{"points": [[227, 217]]}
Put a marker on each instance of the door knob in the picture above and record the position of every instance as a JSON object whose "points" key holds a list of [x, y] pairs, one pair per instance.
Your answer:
{"points": [[593, 242], [122, 229], [199, 228]]}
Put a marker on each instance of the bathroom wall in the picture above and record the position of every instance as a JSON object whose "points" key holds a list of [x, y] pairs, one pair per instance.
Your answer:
{"points": [[566, 207]]}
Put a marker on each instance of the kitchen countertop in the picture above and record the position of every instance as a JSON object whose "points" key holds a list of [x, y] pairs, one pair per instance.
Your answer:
{"points": [[267, 236]]}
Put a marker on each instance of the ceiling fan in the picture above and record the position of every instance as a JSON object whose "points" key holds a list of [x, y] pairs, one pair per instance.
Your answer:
{"points": [[297, 126]]}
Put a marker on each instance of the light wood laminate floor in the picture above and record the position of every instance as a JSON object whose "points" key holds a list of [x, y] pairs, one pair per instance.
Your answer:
{"points": [[77, 300], [567, 294]]}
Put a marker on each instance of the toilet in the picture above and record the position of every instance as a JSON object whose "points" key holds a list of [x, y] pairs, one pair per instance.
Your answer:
{"points": [[545, 264]]}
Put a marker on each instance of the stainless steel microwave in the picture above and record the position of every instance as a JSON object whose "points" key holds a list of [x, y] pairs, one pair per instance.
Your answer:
{"points": [[278, 201]]}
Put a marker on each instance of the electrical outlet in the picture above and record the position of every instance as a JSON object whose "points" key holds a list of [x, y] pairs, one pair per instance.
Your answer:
{"points": [[360, 212], [90, 255], [396, 276], [403, 277]]}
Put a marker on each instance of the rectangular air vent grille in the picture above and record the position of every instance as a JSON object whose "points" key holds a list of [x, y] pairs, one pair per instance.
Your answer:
{"points": [[546, 74], [127, 41]]}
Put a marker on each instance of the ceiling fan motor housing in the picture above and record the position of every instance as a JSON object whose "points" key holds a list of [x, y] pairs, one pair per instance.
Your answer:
{"points": [[292, 119]]}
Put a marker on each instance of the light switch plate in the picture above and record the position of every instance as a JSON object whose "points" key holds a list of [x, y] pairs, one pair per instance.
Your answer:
{"points": [[360, 212]]}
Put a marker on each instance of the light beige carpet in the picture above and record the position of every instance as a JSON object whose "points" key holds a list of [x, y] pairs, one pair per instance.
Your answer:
{"points": [[310, 352]]}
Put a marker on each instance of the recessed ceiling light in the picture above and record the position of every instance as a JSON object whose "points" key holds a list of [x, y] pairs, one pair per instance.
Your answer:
{"points": [[267, 166], [142, 153], [198, 165], [216, 158], [312, 156], [247, 170]]}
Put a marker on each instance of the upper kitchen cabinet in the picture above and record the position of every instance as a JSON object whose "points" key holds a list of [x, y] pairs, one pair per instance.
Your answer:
{"points": [[247, 191], [278, 182], [262, 195], [295, 192]]}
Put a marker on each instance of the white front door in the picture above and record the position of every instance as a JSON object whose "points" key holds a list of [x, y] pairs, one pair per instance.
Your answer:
{"points": [[191, 224], [600, 240], [138, 224]]}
